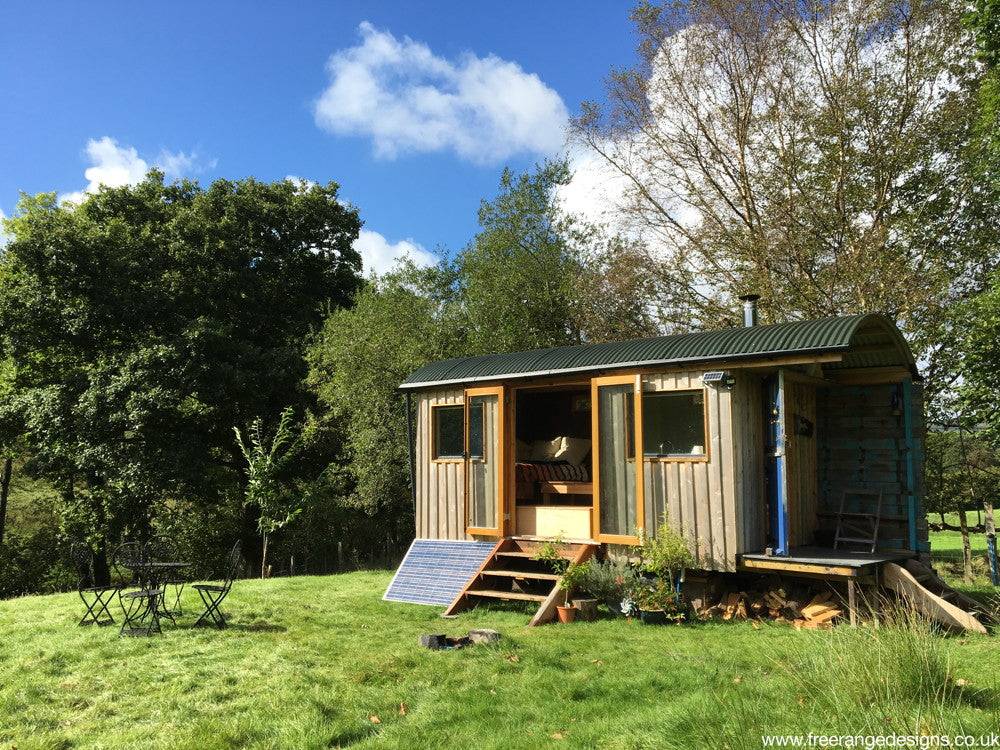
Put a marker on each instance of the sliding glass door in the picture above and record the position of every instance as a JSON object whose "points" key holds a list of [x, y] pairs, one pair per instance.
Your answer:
{"points": [[484, 473], [618, 482]]}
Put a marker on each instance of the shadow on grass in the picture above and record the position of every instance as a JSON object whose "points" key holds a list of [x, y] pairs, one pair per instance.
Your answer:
{"points": [[257, 627]]}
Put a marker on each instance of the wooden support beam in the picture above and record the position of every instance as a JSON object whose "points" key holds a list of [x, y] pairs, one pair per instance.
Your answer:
{"points": [[869, 375], [461, 601]]}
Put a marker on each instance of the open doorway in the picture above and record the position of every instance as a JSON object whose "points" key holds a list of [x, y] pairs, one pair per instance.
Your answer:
{"points": [[552, 469]]}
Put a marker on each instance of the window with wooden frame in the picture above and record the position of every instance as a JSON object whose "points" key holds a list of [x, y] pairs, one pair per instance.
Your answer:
{"points": [[448, 431], [674, 425]]}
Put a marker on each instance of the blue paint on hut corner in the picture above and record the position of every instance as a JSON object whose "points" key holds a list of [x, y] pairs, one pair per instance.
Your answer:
{"points": [[775, 419], [434, 571]]}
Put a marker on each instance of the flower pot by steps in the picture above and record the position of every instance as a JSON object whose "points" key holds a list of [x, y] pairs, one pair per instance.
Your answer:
{"points": [[587, 609], [566, 614], [653, 616]]}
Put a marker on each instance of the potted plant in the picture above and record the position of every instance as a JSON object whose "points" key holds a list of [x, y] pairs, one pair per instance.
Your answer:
{"points": [[666, 556], [658, 603], [570, 582]]}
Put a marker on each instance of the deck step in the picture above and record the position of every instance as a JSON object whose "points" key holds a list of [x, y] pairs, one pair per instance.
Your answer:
{"points": [[526, 555], [521, 574], [515, 595], [499, 570]]}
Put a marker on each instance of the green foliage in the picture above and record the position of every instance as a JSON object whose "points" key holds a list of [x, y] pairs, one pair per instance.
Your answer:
{"points": [[267, 460], [665, 555], [610, 581], [357, 361], [573, 577], [517, 277], [144, 323], [659, 595], [552, 551]]}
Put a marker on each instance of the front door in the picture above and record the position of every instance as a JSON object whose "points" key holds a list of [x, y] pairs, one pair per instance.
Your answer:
{"points": [[616, 413], [484, 474]]}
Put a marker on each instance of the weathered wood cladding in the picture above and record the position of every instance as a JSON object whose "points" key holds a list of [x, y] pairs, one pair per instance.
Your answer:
{"points": [[862, 445], [440, 507], [699, 497], [801, 485], [749, 469]]}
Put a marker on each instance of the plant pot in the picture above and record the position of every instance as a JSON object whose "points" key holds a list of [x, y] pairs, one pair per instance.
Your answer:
{"points": [[653, 616], [587, 608], [566, 614]]}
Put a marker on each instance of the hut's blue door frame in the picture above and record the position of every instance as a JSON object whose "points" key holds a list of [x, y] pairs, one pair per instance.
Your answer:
{"points": [[774, 419]]}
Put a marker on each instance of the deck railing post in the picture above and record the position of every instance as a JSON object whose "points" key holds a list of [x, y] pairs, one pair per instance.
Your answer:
{"points": [[911, 496], [412, 451]]}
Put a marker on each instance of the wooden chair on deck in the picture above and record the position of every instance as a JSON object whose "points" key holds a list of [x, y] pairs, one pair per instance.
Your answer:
{"points": [[857, 527]]}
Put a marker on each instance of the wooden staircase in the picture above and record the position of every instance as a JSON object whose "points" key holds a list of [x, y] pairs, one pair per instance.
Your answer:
{"points": [[512, 573], [932, 597]]}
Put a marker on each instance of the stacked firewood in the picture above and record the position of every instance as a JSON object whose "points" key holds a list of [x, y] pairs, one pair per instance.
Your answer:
{"points": [[802, 609]]}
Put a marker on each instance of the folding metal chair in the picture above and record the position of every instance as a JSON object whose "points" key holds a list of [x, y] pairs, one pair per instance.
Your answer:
{"points": [[141, 605], [212, 595], [94, 597]]}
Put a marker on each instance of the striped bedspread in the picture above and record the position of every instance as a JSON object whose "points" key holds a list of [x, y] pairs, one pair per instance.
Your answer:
{"points": [[550, 471]]}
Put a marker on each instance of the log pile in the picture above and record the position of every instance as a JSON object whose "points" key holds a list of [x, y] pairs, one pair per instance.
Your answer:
{"points": [[802, 609]]}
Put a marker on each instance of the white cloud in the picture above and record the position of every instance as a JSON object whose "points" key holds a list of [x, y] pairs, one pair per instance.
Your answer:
{"points": [[116, 165], [407, 99], [596, 191], [379, 255]]}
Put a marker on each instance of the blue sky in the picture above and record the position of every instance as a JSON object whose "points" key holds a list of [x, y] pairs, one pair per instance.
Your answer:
{"points": [[419, 110]]}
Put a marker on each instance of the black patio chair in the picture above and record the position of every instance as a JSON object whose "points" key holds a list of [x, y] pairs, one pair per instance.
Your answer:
{"points": [[94, 597], [212, 595], [141, 602]]}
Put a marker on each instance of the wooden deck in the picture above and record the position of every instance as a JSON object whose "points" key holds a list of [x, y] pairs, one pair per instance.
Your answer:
{"points": [[820, 562]]}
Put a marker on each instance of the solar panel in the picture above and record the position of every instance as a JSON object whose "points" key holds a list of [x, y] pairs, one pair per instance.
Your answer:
{"points": [[434, 571]]}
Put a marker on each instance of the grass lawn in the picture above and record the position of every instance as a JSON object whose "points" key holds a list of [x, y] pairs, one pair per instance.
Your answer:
{"points": [[315, 662]]}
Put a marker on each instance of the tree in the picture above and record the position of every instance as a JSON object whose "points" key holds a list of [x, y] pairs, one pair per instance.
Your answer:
{"points": [[145, 322], [398, 323], [267, 459], [531, 277], [815, 153], [516, 280]]}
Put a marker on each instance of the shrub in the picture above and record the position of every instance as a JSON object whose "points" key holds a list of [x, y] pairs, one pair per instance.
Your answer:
{"points": [[666, 555], [573, 577], [610, 581]]}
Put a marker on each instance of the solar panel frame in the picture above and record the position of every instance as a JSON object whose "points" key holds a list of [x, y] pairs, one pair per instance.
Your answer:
{"points": [[434, 571]]}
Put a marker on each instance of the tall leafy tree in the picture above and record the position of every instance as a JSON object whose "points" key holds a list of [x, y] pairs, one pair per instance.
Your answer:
{"points": [[816, 153], [144, 323], [531, 277], [516, 279], [398, 323]]}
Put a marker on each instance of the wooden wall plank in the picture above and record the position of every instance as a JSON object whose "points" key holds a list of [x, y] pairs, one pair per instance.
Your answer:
{"points": [[440, 512]]}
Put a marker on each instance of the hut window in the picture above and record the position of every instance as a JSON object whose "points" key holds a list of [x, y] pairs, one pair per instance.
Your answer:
{"points": [[673, 424], [449, 431]]}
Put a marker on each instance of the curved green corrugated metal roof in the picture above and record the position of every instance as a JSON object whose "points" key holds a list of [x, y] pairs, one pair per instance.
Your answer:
{"points": [[808, 336]]}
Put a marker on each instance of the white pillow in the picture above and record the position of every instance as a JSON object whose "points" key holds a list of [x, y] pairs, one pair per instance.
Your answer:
{"points": [[546, 450], [574, 450]]}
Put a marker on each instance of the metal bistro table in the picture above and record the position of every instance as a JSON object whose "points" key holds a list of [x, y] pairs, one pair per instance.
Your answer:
{"points": [[162, 574], [152, 577]]}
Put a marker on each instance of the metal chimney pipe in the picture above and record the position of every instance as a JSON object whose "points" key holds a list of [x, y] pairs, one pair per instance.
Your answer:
{"points": [[749, 309]]}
